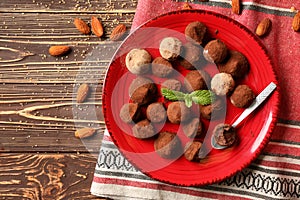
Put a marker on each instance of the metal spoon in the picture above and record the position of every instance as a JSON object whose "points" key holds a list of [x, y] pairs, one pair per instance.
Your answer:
{"points": [[257, 101]]}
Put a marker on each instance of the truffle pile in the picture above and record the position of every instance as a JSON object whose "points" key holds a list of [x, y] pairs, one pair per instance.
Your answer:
{"points": [[146, 109]]}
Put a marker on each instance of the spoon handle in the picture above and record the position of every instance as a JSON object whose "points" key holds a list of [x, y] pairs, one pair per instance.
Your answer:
{"points": [[258, 100]]}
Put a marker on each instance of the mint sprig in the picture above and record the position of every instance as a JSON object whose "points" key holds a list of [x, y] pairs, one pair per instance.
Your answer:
{"points": [[202, 97]]}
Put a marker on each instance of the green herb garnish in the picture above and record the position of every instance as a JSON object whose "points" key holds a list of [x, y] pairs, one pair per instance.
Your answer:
{"points": [[203, 97], [172, 95]]}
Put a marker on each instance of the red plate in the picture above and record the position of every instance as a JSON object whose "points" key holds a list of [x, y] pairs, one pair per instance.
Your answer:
{"points": [[253, 134]]}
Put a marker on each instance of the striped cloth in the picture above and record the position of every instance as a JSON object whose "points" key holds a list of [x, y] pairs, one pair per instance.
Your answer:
{"points": [[275, 174]]}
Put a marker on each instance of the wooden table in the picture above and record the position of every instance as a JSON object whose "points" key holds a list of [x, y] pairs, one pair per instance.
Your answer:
{"points": [[40, 158]]}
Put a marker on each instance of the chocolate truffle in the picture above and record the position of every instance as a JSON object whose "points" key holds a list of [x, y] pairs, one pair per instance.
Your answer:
{"points": [[138, 61], [191, 55], [193, 128], [191, 150], [143, 129], [161, 67], [212, 111], [178, 112], [222, 84], [168, 145], [215, 51], [237, 65], [170, 48], [224, 134], [242, 96], [142, 91], [196, 80], [156, 113], [130, 112], [195, 32], [172, 84]]}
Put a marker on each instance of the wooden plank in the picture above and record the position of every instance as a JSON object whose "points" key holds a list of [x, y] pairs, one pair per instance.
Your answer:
{"points": [[37, 93], [17, 138], [40, 105], [39, 156], [63, 6], [83, 63], [55, 28], [46, 176]]}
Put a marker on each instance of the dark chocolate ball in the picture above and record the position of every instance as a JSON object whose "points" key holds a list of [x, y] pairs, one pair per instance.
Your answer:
{"points": [[178, 112], [196, 80], [193, 128], [156, 112], [242, 96], [195, 32], [212, 111], [215, 51], [191, 55], [130, 112], [143, 129], [237, 65], [172, 84], [142, 91], [168, 145], [191, 150], [161, 67]]}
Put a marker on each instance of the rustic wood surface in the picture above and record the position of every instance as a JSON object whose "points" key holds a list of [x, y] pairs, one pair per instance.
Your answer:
{"points": [[39, 156]]}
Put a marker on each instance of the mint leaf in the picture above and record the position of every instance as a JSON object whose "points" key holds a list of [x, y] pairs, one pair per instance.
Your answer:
{"points": [[172, 95], [203, 97]]}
